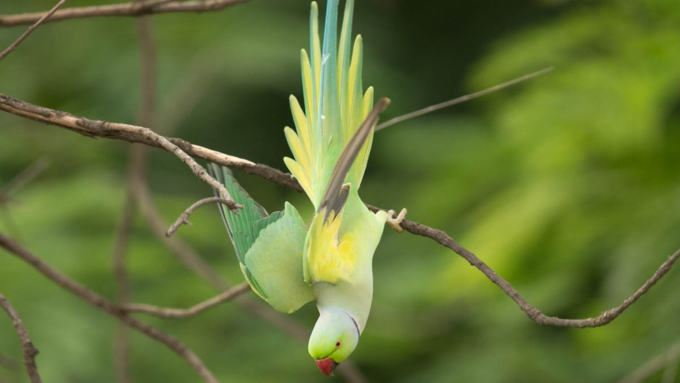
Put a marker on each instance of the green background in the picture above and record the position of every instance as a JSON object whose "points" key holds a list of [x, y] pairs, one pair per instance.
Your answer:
{"points": [[566, 185]]}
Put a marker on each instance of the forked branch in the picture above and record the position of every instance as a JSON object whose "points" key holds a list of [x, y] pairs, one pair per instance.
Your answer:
{"points": [[108, 307], [163, 312], [94, 128], [28, 350], [126, 9], [184, 218], [41, 20]]}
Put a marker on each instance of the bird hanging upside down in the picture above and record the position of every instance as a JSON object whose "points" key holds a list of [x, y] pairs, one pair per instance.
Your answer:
{"points": [[288, 263]]}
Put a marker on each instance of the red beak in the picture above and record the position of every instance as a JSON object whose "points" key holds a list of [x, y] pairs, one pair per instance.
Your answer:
{"points": [[326, 366]]}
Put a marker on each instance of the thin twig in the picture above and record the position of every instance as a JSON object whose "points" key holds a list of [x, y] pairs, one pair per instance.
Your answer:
{"points": [[101, 129], [131, 133], [461, 99], [163, 312], [125, 9], [184, 253], [127, 132], [536, 315], [184, 218], [30, 30], [27, 347], [107, 306]]}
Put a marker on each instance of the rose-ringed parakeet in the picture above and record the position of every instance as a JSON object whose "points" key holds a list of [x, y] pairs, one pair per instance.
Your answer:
{"points": [[329, 261]]}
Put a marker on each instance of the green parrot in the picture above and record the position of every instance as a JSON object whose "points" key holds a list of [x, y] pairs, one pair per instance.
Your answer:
{"points": [[288, 263]]}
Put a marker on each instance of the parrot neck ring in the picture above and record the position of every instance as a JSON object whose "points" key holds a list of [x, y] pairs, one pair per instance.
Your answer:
{"points": [[356, 325]]}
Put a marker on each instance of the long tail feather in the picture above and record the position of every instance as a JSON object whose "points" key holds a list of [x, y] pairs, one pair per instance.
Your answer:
{"points": [[335, 105], [347, 157]]}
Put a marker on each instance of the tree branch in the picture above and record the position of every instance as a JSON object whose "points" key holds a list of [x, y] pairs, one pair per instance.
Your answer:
{"points": [[184, 218], [162, 312], [93, 128], [536, 315], [126, 9], [27, 347], [458, 100], [30, 30], [108, 307], [104, 129]]}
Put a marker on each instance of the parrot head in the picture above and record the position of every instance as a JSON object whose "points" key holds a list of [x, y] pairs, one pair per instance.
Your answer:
{"points": [[334, 338]]}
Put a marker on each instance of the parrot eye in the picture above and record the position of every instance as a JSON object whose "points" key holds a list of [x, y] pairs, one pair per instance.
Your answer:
{"points": [[338, 344]]}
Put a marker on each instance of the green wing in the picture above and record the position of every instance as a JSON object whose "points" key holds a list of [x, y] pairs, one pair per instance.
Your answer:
{"points": [[268, 247]]}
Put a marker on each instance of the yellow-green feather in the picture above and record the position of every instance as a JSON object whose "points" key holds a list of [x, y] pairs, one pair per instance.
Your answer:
{"points": [[334, 104]]}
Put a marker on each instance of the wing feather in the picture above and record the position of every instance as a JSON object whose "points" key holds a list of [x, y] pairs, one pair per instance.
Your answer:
{"points": [[269, 248]]}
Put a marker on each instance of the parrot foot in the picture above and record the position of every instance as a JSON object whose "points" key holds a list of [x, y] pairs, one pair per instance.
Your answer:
{"points": [[395, 222]]}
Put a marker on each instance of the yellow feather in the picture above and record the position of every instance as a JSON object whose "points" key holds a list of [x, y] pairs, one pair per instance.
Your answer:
{"points": [[297, 149], [353, 69], [302, 128], [308, 84], [300, 175], [368, 101], [329, 261], [316, 53]]}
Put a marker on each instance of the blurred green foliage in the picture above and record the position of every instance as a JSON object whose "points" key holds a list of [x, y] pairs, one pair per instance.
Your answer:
{"points": [[566, 185]]}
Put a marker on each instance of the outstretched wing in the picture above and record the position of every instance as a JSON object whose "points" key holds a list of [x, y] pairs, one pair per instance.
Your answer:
{"points": [[269, 248]]}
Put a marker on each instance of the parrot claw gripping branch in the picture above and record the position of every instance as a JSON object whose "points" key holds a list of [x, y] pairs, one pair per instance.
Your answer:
{"points": [[329, 260]]}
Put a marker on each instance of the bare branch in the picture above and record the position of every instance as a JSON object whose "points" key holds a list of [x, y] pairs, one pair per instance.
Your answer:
{"points": [[162, 312], [93, 128], [27, 347], [537, 316], [446, 104], [127, 9], [184, 218], [131, 133], [108, 307], [30, 30]]}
